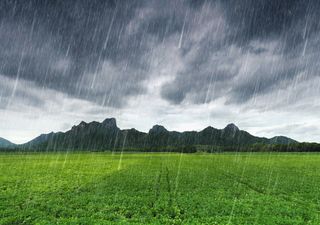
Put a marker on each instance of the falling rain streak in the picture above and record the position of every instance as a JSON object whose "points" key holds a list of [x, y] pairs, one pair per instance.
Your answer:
{"points": [[202, 61], [189, 66]]}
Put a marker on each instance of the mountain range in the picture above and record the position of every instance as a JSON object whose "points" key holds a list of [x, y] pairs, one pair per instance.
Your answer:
{"points": [[107, 136], [5, 143]]}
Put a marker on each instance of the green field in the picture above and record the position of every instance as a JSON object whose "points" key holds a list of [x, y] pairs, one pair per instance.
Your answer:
{"points": [[154, 188]]}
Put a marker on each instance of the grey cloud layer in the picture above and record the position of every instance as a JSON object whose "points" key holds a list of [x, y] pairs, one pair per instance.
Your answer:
{"points": [[105, 51], [252, 56]]}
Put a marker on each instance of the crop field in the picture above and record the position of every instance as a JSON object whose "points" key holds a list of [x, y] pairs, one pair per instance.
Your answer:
{"points": [[159, 188]]}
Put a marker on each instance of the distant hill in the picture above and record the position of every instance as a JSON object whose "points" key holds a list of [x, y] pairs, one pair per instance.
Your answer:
{"points": [[281, 140], [107, 136], [6, 144]]}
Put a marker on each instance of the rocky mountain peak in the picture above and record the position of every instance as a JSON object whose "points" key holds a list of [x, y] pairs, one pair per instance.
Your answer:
{"points": [[110, 123], [231, 127], [158, 129]]}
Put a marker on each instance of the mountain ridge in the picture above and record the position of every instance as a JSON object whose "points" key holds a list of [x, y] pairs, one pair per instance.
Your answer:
{"points": [[4, 143], [107, 135]]}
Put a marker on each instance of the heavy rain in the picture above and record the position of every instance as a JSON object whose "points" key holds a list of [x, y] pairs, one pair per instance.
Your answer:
{"points": [[159, 112]]}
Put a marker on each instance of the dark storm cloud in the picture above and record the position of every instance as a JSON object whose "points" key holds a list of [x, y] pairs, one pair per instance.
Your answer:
{"points": [[281, 37], [55, 44], [102, 51], [22, 93]]}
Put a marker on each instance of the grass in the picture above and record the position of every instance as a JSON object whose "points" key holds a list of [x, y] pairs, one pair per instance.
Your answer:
{"points": [[159, 188]]}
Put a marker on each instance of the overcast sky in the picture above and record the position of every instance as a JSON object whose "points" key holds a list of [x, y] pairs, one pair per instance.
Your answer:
{"points": [[182, 64]]}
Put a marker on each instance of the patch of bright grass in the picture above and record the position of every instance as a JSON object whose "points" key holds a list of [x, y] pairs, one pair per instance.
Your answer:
{"points": [[159, 188]]}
